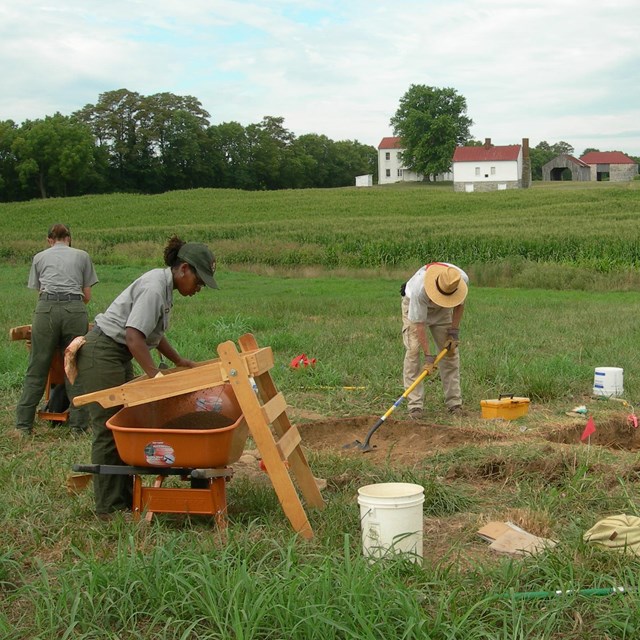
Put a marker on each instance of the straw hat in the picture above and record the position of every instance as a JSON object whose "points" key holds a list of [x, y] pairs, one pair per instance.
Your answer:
{"points": [[445, 285]]}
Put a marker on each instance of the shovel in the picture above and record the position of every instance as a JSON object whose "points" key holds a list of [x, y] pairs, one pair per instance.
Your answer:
{"points": [[365, 446]]}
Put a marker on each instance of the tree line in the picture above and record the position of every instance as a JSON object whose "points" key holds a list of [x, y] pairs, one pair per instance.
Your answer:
{"points": [[128, 142]]}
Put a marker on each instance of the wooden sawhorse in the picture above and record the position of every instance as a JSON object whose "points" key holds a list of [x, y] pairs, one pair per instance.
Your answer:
{"points": [[262, 409]]}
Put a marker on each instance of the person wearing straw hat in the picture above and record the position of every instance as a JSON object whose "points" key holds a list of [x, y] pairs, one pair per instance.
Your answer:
{"points": [[133, 325], [433, 297]]}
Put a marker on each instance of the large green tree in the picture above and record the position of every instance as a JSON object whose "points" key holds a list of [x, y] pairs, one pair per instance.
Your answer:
{"points": [[115, 123], [172, 131], [315, 157], [153, 142], [228, 156], [431, 122], [55, 155], [269, 142], [9, 184]]}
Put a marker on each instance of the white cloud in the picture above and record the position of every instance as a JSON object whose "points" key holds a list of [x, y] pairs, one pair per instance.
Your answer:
{"points": [[547, 71]]}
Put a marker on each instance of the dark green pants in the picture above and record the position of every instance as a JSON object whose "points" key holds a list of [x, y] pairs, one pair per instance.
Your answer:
{"points": [[103, 363], [54, 325]]}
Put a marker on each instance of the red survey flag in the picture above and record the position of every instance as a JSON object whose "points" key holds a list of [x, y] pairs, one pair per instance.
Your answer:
{"points": [[589, 429], [302, 361]]}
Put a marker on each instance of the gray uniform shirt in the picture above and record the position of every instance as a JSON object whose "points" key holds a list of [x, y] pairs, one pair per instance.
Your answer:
{"points": [[144, 305], [61, 269], [419, 302]]}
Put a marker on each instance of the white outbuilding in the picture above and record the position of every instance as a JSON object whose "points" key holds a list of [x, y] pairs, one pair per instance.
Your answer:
{"points": [[364, 181]]}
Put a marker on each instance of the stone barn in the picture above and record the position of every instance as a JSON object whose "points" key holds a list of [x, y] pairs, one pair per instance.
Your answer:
{"points": [[614, 166], [554, 169]]}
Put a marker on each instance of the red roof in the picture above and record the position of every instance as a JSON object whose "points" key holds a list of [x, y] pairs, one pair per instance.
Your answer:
{"points": [[574, 159], [606, 157], [390, 143], [483, 154]]}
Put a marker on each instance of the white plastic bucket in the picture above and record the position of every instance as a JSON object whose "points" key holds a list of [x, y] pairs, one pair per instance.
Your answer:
{"points": [[391, 519], [608, 381]]}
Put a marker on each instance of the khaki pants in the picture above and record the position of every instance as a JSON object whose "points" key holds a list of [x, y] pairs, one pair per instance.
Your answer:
{"points": [[438, 322]]}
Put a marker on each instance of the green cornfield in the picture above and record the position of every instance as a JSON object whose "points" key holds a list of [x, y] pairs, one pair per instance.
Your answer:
{"points": [[591, 228]]}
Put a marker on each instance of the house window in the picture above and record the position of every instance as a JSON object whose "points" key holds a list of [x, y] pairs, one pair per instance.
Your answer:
{"points": [[399, 155], [399, 173], [493, 171], [387, 155], [388, 173], [477, 171]]}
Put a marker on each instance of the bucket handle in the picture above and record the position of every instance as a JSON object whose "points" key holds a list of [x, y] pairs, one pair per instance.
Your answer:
{"points": [[363, 516], [505, 395]]}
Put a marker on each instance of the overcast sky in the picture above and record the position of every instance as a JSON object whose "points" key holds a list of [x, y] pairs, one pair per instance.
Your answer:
{"points": [[545, 70]]}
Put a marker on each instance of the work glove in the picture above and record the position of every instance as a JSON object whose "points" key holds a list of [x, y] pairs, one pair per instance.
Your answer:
{"points": [[452, 341], [429, 364]]}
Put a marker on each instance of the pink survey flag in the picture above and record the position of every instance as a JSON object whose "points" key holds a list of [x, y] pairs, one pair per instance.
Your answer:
{"points": [[589, 429]]}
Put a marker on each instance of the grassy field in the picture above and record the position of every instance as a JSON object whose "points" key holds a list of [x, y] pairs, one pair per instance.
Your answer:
{"points": [[554, 294]]}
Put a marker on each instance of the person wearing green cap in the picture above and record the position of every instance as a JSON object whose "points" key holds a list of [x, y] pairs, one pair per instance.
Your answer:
{"points": [[135, 323]]}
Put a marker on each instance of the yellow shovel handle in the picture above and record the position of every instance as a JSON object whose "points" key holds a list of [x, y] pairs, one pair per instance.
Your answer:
{"points": [[414, 384]]}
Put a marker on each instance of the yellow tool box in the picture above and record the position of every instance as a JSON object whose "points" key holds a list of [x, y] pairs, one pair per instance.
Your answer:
{"points": [[506, 407]]}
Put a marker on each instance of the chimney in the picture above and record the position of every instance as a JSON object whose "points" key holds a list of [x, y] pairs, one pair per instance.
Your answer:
{"points": [[487, 143], [526, 164]]}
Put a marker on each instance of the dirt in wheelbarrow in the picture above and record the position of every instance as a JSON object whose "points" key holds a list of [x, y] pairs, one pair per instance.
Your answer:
{"points": [[198, 420]]}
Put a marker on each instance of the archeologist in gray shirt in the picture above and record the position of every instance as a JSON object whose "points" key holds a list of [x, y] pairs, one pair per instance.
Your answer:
{"points": [[433, 297], [135, 323], [63, 277]]}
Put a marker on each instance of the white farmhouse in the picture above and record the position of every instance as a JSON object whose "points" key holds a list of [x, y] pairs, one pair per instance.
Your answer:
{"points": [[490, 167], [390, 167]]}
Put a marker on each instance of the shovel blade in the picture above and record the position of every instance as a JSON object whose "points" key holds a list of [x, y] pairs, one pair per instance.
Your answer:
{"points": [[363, 446]]}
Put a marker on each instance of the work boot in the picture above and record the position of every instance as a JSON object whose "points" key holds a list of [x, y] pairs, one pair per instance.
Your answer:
{"points": [[21, 432], [458, 410], [415, 414]]}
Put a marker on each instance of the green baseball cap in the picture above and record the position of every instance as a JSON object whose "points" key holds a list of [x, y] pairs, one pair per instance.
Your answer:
{"points": [[199, 256]]}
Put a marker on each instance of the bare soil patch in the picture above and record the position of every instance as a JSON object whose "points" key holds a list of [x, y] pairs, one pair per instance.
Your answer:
{"points": [[404, 441]]}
